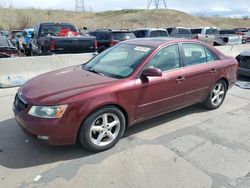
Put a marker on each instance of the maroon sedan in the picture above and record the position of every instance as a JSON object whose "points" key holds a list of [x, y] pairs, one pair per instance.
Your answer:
{"points": [[128, 83]]}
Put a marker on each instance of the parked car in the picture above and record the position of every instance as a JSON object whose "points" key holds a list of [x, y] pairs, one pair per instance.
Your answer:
{"points": [[231, 37], [107, 38], [24, 41], [151, 32], [245, 32], [208, 35], [133, 81], [244, 63], [179, 32], [7, 49], [59, 38], [15, 40], [4, 33]]}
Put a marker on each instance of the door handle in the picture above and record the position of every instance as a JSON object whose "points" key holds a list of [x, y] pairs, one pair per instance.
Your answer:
{"points": [[213, 71], [180, 79]]}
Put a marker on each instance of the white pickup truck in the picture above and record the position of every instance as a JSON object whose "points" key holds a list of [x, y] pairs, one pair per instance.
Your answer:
{"points": [[207, 34]]}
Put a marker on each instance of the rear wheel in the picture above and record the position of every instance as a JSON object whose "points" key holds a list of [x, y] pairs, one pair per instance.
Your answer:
{"points": [[216, 95], [102, 129]]}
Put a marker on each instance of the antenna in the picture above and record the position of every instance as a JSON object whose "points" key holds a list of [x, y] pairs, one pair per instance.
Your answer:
{"points": [[157, 3], [80, 5]]}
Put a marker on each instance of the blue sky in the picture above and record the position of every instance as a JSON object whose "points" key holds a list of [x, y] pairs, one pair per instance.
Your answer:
{"points": [[190, 6]]}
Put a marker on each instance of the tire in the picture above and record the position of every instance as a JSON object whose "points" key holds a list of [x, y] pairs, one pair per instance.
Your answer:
{"points": [[96, 135], [101, 49], [216, 95]]}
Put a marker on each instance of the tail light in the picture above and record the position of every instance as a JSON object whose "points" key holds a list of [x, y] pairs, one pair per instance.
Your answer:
{"points": [[52, 44], [96, 45], [112, 43]]}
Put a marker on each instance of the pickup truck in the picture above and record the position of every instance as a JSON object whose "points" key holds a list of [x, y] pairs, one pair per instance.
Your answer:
{"points": [[60, 38], [231, 37], [208, 34]]}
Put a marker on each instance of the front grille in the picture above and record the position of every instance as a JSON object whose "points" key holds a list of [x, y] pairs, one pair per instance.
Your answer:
{"points": [[19, 104]]}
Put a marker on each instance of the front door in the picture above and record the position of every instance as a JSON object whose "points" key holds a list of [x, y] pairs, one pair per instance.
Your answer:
{"points": [[157, 95]]}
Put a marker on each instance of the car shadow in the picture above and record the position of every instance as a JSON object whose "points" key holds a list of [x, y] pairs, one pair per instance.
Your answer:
{"points": [[20, 150]]}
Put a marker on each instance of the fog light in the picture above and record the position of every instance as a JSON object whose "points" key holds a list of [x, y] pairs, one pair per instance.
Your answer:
{"points": [[42, 137]]}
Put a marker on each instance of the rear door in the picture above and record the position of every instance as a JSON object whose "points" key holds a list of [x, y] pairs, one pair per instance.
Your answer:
{"points": [[201, 71], [161, 94]]}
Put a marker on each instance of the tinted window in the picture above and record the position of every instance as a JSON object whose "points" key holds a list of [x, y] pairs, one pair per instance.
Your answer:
{"points": [[196, 31], [227, 32], [123, 36], [156, 33], [169, 30], [166, 59], [103, 36], [164, 33], [183, 31], [194, 54], [140, 34]]}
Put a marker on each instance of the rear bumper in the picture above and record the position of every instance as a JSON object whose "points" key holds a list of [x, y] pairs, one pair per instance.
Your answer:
{"points": [[243, 72]]}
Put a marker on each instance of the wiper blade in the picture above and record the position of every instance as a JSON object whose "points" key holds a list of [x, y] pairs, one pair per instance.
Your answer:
{"points": [[94, 71]]}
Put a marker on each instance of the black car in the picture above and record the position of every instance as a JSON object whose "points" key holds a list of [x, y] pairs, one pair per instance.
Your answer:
{"points": [[107, 37], [244, 63], [7, 49]]}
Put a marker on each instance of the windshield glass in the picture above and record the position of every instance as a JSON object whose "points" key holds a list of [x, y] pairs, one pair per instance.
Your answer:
{"points": [[119, 61]]}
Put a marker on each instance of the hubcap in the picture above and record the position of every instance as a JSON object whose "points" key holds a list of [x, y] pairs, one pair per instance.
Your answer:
{"points": [[218, 94], [105, 129]]}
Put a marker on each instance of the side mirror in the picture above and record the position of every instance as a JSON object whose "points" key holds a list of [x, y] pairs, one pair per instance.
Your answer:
{"points": [[152, 72]]}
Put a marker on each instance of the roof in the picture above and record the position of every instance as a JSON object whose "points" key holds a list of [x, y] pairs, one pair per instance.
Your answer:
{"points": [[155, 42]]}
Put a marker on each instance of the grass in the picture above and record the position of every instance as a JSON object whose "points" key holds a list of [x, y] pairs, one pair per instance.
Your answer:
{"points": [[24, 18]]}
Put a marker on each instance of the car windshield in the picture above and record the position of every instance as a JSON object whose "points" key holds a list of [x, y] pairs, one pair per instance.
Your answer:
{"points": [[119, 61]]}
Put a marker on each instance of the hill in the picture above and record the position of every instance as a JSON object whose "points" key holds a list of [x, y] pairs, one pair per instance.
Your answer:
{"points": [[123, 19]]}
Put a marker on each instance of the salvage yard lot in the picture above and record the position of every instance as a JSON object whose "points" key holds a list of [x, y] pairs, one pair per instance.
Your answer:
{"points": [[188, 148]]}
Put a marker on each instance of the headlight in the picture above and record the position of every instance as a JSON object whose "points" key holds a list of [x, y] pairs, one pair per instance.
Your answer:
{"points": [[48, 111]]}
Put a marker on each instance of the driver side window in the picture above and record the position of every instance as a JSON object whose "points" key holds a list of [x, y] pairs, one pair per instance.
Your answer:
{"points": [[166, 59]]}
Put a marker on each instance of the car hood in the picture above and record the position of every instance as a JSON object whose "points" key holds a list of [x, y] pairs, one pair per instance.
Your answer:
{"points": [[53, 87]]}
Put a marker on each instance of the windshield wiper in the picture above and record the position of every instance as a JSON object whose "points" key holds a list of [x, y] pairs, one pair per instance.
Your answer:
{"points": [[96, 72]]}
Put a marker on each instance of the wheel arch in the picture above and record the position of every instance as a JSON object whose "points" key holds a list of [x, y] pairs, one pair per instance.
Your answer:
{"points": [[122, 109]]}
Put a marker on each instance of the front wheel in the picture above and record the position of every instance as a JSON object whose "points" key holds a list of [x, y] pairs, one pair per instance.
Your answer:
{"points": [[216, 95], [102, 129]]}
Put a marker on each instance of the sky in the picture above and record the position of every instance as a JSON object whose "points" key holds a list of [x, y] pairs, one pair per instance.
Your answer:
{"points": [[241, 7]]}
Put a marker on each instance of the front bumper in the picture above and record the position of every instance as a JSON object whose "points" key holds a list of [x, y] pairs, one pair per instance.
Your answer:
{"points": [[59, 131]]}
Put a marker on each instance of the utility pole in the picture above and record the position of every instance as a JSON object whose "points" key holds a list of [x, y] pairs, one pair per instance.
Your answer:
{"points": [[157, 3], [80, 5]]}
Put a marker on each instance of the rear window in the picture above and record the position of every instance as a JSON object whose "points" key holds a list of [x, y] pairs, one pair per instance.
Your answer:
{"points": [[56, 29], [227, 32], [159, 33], [196, 31], [141, 33], [102, 36], [183, 31], [120, 36], [211, 32]]}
